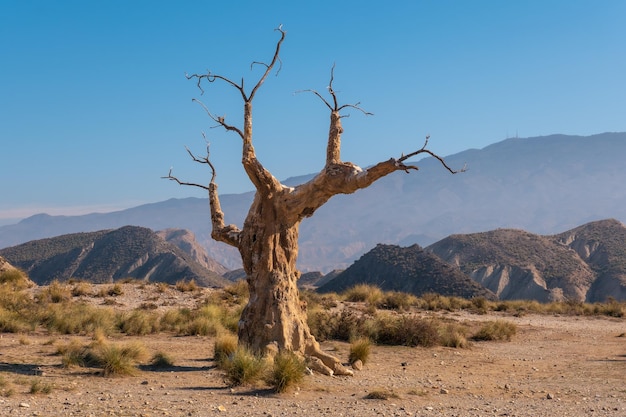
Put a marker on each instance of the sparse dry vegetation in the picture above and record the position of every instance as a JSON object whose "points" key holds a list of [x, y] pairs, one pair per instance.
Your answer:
{"points": [[242, 367], [360, 350], [352, 330], [287, 371], [496, 330]]}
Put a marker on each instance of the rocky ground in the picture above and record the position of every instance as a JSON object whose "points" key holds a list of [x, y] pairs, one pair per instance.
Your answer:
{"points": [[554, 366]]}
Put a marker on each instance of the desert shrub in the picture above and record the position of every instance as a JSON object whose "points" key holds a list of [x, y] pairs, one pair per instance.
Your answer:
{"points": [[406, 331], [204, 326], [206, 320], [15, 299], [114, 359], [231, 319], [235, 293], [138, 322], [243, 367], [54, 293], [14, 322], [72, 354], [80, 289], [360, 350], [118, 359], [16, 278], [115, 290], [71, 318], [364, 293], [321, 323], [224, 346], [287, 370], [453, 335], [459, 303], [197, 322], [480, 304], [435, 302], [397, 300], [348, 326], [148, 306], [418, 332], [521, 307], [6, 388], [187, 285], [613, 308], [496, 330], [38, 386], [314, 299], [339, 325], [173, 320], [162, 360], [161, 287]]}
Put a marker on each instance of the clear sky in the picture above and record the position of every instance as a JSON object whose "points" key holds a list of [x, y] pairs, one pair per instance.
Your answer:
{"points": [[95, 106]]}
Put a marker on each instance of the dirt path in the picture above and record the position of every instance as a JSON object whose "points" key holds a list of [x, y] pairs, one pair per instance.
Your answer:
{"points": [[554, 366]]}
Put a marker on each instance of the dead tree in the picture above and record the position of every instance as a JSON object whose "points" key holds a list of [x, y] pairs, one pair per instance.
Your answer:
{"points": [[275, 319]]}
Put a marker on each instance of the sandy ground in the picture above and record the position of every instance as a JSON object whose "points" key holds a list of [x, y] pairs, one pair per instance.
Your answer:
{"points": [[555, 366]]}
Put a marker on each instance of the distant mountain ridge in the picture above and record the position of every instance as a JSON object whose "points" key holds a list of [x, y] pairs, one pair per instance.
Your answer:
{"points": [[109, 255], [587, 263], [411, 270], [543, 185]]}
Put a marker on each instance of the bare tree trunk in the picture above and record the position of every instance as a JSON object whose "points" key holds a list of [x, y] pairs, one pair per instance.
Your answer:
{"points": [[275, 318]]}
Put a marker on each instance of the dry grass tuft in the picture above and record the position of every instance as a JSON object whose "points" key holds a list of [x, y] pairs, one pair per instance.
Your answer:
{"points": [[243, 367], [496, 330], [287, 371], [360, 350]]}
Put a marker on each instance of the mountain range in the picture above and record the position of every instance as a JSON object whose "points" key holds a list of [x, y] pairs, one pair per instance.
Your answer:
{"points": [[543, 185], [586, 263], [111, 255], [411, 270]]}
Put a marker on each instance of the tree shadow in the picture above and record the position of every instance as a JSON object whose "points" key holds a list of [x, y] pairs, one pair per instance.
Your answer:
{"points": [[251, 392], [616, 358], [175, 368], [21, 368]]}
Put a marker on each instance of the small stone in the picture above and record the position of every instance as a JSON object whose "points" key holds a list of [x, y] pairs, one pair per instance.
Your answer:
{"points": [[221, 408], [357, 364], [24, 405], [444, 391], [549, 396]]}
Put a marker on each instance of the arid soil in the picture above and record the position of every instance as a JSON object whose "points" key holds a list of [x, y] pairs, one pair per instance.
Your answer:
{"points": [[554, 366]]}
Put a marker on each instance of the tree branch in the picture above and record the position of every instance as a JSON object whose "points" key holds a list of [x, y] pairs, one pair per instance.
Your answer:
{"points": [[229, 234], [268, 67], [220, 120], [335, 107], [431, 153]]}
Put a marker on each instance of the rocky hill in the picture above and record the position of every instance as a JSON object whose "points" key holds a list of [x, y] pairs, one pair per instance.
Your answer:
{"points": [[108, 255], [587, 263], [543, 185], [409, 269], [186, 241], [602, 245]]}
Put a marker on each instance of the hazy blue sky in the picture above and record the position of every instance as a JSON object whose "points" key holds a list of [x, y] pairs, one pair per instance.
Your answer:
{"points": [[95, 106]]}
